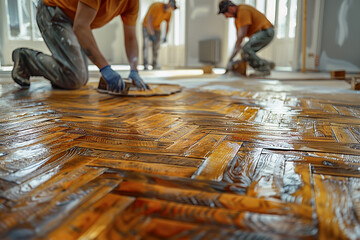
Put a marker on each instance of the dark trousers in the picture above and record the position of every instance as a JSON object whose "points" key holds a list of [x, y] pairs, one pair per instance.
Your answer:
{"points": [[155, 47], [257, 41], [67, 67]]}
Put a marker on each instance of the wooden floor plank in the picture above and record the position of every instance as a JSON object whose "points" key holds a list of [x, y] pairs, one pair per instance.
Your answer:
{"points": [[215, 164], [333, 198], [204, 146]]}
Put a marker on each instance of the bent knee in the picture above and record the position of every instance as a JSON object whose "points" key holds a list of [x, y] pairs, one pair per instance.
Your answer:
{"points": [[78, 78]]}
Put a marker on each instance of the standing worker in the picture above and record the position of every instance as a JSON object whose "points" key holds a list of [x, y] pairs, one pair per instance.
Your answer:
{"points": [[66, 27], [253, 24], [157, 13]]}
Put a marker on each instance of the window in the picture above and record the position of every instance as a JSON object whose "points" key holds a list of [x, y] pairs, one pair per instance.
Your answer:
{"points": [[292, 20], [21, 18], [282, 18], [282, 13]]}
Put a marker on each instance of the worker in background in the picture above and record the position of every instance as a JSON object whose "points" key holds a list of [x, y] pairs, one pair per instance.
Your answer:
{"points": [[253, 24], [66, 27], [157, 13]]}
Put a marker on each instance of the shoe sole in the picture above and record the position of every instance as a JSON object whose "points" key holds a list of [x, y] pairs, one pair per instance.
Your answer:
{"points": [[16, 64]]}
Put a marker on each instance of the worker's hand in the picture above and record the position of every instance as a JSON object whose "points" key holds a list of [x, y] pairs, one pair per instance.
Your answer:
{"points": [[164, 40], [153, 38], [137, 80], [113, 79]]}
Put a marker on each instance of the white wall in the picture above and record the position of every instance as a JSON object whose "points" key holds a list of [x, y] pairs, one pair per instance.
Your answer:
{"points": [[341, 36], [332, 36], [110, 40], [2, 30], [203, 22]]}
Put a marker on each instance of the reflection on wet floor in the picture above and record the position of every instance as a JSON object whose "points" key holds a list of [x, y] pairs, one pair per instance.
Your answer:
{"points": [[225, 158]]}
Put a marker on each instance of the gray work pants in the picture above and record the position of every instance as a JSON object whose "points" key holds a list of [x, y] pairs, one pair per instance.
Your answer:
{"points": [[257, 41], [155, 47], [67, 67]]}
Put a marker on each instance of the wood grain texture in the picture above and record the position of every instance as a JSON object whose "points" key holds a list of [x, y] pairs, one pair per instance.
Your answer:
{"points": [[206, 163]]}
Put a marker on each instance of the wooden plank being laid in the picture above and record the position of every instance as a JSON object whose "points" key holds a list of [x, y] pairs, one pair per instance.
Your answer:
{"points": [[215, 164]]}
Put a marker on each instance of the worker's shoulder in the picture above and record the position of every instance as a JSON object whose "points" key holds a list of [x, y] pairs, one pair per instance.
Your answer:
{"points": [[245, 7], [157, 5]]}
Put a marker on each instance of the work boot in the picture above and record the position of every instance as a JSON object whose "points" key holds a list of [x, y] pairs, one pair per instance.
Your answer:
{"points": [[261, 71], [19, 73], [258, 73]]}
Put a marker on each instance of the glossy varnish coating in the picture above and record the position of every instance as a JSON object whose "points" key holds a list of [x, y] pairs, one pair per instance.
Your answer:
{"points": [[199, 164]]}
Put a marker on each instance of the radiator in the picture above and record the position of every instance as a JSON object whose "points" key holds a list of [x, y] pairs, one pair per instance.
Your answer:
{"points": [[209, 51]]}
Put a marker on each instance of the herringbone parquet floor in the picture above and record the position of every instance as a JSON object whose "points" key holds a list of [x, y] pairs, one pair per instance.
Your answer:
{"points": [[205, 163]]}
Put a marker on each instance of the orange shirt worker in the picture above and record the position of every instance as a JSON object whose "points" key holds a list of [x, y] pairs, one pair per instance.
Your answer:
{"points": [[157, 13], [66, 27], [253, 24]]}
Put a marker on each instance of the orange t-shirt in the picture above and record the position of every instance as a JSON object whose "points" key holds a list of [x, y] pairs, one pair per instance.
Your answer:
{"points": [[106, 10], [248, 15], [158, 13]]}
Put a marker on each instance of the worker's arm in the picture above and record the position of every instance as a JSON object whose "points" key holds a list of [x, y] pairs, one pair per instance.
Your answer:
{"points": [[240, 36], [132, 52], [166, 33], [131, 46], [83, 19], [150, 28]]}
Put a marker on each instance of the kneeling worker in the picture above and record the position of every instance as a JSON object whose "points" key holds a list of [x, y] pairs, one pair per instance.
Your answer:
{"points": [[66, 27], [253, 24]]}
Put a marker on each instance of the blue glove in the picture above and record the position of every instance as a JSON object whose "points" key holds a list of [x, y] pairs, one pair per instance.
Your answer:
{"points": [[165, 40], [137, 80], [113, 79], [153, 38]]}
